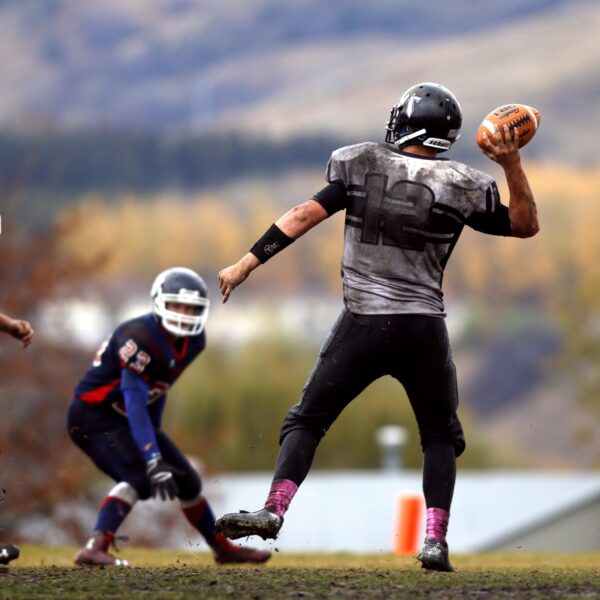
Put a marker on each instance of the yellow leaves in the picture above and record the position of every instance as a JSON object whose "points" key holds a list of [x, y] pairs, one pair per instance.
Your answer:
{"points": [[201, 232], [205, 232], [145, 235], [208, 232], [566, 249]]}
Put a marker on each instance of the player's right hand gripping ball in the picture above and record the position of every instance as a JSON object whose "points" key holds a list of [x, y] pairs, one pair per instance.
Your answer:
{"points": [[525, 119]]}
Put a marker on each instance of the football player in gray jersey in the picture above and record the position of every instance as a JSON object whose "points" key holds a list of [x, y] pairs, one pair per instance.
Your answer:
{"points": [[405, 209]]}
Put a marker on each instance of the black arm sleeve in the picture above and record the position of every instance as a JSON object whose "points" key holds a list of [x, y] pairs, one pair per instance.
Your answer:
{"points": [[272, 242], [332, 197], [494, 223]]}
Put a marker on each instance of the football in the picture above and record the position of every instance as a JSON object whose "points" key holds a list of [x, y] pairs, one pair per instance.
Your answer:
{"points": [[525, 119]]}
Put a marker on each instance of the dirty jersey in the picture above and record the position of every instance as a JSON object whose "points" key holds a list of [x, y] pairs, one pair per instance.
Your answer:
{"points": [[404, 215]]}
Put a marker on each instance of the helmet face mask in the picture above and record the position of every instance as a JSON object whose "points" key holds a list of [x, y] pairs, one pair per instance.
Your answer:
{"points": [[428, 114], [180, 286]]}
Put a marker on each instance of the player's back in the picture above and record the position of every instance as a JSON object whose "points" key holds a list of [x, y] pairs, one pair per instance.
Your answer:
{"points": [[404, 215]]}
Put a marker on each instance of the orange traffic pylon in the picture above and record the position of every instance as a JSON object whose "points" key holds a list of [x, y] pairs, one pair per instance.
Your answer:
{"points": [[408, 523]]}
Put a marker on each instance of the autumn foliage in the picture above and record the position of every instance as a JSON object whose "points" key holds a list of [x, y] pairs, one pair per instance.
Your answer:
{"points": [[38, 464], [231, 402], [209, 231]]}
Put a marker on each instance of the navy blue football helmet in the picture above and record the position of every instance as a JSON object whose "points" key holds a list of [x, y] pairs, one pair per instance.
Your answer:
{"points": [[428, 114], [182, 286]]}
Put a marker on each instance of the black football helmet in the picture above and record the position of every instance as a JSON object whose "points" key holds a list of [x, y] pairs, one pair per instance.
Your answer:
{"points": [[428, 114], [182, 286]]}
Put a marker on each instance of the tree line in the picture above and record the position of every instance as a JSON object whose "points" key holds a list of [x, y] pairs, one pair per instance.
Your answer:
{"points": [[228, 408], [72, 162]]}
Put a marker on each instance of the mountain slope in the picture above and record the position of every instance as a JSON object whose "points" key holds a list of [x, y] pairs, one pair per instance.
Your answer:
{"points": [[298, 67], [547, 62]]}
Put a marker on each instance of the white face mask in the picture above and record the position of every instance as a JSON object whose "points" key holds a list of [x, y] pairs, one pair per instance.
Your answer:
{"points": [[181, 324], [186, 288]]}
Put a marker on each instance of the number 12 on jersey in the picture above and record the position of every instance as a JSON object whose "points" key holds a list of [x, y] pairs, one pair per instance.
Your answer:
{"points": [[398, 214]]}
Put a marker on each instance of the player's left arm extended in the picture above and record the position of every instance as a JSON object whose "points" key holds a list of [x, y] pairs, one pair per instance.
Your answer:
{"points": [[288, 228], [522, 210]]}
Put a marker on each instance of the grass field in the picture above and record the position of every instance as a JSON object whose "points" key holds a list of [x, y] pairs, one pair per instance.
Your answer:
{"points": [[44, 572]]}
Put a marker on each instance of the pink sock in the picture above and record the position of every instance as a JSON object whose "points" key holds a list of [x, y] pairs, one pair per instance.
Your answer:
{"points": [[280, 496], [437, 523]]}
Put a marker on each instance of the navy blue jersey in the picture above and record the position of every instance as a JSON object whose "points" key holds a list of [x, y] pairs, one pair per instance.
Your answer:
{"points": [[142, 346]]}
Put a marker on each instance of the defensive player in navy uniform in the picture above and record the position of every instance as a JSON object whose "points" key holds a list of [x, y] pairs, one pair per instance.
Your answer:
{"points": [[405, 209], [22, 331], [115, 417]]}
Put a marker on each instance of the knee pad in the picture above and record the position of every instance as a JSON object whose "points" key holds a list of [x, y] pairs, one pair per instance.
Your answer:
{"points": [[459, 446], [124, 492], [190, 486], [451, 434], [296, 420], [140, 483], [458, 443]]}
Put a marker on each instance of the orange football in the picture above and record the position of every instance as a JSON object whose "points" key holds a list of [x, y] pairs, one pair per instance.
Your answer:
{"points": [[525, 119]]}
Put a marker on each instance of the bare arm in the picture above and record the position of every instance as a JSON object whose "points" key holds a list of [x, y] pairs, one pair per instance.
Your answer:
{"points": [[21, 330], [522, 210], [294, 223], [297, 221]]}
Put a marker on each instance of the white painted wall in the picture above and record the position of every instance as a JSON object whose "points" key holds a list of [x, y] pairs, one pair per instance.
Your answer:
{"points": [[354, 511]]}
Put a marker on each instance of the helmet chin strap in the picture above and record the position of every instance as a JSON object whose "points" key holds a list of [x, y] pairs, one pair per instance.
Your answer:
{"points": [[408, 137]]}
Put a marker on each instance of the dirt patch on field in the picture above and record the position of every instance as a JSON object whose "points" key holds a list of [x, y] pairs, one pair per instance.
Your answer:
{"points": [[270, 583]]}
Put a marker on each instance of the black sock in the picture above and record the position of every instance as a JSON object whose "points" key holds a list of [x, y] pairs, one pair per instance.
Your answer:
{"points": [[439, 475], [296, 455]]}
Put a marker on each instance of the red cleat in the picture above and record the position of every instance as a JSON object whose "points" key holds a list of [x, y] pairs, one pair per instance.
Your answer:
{"points": [[228, 552], [95, 553]]}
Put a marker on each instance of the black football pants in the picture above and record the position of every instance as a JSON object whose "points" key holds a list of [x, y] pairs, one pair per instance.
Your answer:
{"points": [[414, 349]]}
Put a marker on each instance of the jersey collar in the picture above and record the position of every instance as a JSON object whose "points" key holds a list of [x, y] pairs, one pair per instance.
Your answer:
{"points": [[393, 148]]}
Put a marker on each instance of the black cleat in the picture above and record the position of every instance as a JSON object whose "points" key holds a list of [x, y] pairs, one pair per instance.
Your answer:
{"points": [[8, 552], [242, 524], [434, 556]]}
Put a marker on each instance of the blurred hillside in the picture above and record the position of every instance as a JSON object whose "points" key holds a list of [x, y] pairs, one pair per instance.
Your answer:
{"points": [[300, 68], [137, 135], [525, 309]]}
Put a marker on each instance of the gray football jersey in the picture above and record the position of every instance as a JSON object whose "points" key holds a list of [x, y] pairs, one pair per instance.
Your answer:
{"points": [[404, 214]]}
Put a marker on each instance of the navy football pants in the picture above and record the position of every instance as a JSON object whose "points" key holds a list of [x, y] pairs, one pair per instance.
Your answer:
{"points": [[105, 436]]}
